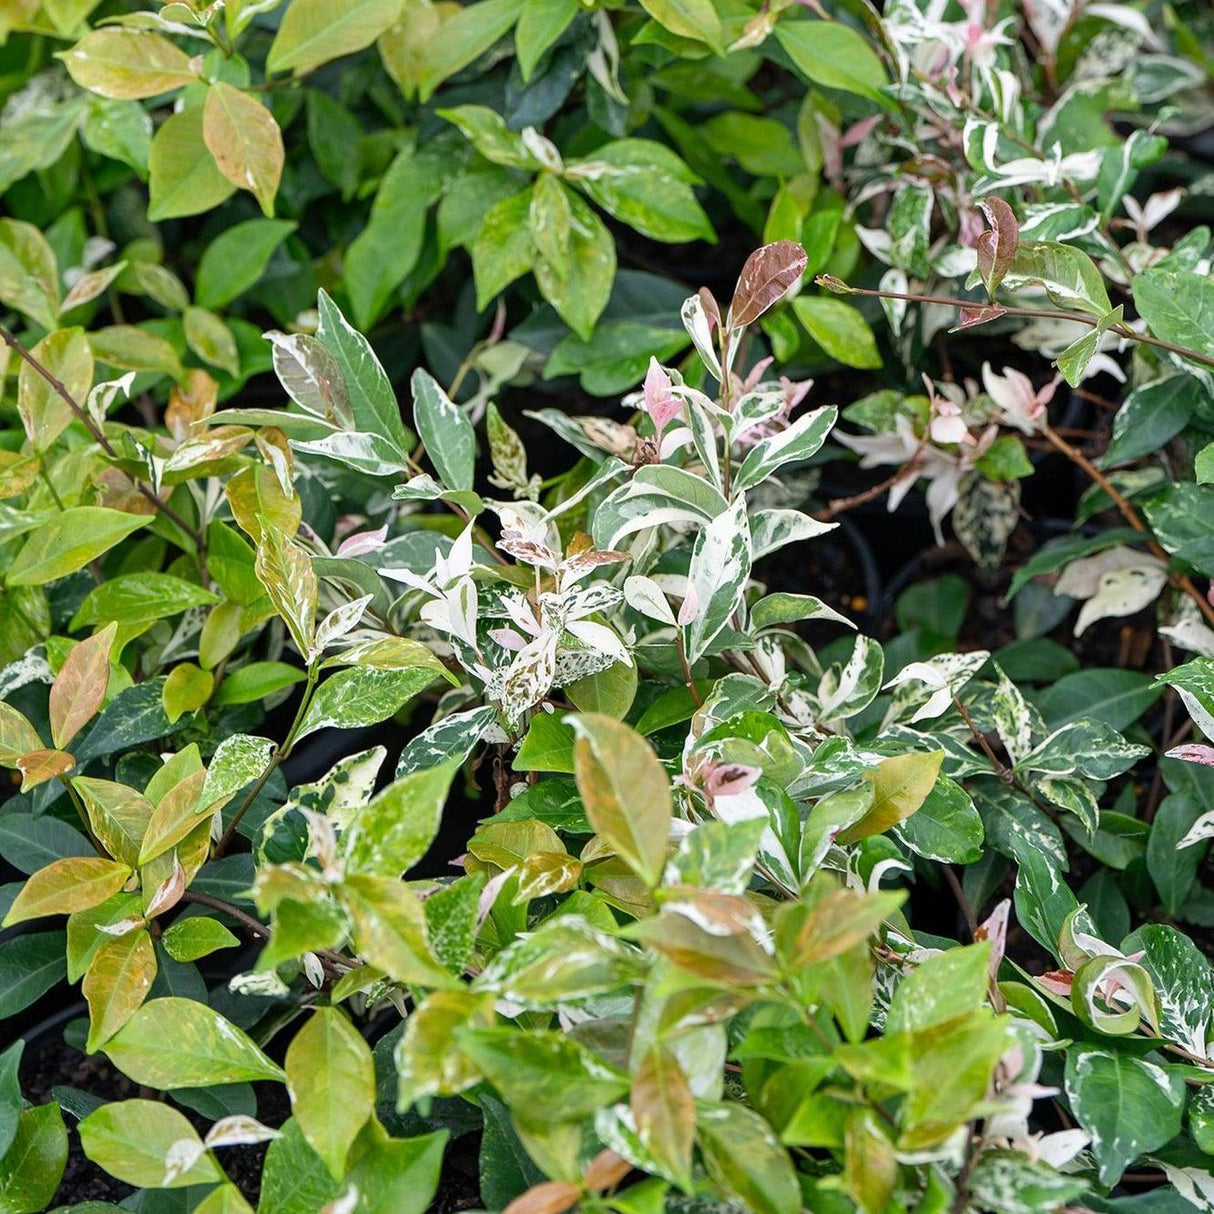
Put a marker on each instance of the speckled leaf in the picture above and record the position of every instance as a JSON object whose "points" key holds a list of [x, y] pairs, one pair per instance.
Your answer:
{"points": [[176, 1043]]}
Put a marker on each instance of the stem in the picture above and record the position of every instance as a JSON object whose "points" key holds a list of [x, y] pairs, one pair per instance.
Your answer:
{"points": [[334, 963], [841, 505], [45, 478], [1180, 581], [98, 434], [278, 756], [952, 301]]}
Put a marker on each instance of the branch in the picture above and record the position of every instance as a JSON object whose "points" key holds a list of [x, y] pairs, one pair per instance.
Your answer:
{"points": [[98, 434], [830, 283], [1180, 581]]}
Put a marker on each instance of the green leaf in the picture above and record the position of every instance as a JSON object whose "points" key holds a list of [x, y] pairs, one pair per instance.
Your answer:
{"points": [[1043, 900], [139, 598], [29, 275], [363, 696], [137, 1141], [545, 1076], [462, 37], [69, 541], [1116, 697], [696, 19], [211, 340], [29, 966], [502, 249], [370, 393], [1179, 307], [130, 348], [1129, 1106], [835, 56], [196, 937], [127, 64], [1151, 416], [313, 32], [839, 329], [645, 185], [237, 258], [183, 178], [540, 24], [945, 985], [255, 682], [66, 354], [331, 1081], [295, 1179], [626, 792], [574, 262], [1068, 275], [445, 430], [180, 1043], [547, 745], [394, 830], [389, 929], [1172, 868], [399, 1175], [743, 1155], [387, 249], [33, 1165], [11, 1101], [946, 827]]}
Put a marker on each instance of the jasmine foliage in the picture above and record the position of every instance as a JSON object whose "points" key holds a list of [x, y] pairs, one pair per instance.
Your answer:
{"points": [[689, 955]]}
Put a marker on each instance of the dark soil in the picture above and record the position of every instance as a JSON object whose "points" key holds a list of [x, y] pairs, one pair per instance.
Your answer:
{"points": [[49, 1063]]}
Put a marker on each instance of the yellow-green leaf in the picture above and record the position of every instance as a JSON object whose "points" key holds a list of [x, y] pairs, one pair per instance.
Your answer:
{"points": [[331, 1081], [245, 141], [900, 786], [183, 178], [186, 689], [626, 792], [65, 886], [314, 31], [118, 980], [44, 413], [127, 64], [69, 541]]}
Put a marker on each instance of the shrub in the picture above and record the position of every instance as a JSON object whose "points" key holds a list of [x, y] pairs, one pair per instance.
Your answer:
{"points": [[466, 787]]}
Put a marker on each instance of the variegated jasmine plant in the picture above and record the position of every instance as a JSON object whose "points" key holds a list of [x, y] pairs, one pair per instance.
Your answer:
{"points": [[674, 967]]}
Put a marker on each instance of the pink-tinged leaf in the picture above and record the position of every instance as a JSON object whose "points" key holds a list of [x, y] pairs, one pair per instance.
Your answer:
{"points": [[660, 401], [80, 686], [1193, 752], [997, 246], [980, 315], [768, 275], [711, 309], [363, 542], [41, 765], [690, 607]]}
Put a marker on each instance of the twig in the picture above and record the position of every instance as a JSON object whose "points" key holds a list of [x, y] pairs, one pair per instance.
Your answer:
{"points": [[276, 758], [1180, 581], [841, 505], [57, 386], [971, 920], [952, 301]]}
